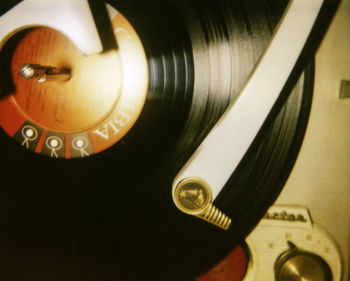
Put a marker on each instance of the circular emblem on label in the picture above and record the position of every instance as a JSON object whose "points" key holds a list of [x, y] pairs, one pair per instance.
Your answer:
{"points": [[80, 143], [193, 196], [54, 143], [29, 133]]}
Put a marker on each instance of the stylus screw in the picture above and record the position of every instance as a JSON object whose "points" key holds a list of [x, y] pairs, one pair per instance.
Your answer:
{"points": [[193, 196]]}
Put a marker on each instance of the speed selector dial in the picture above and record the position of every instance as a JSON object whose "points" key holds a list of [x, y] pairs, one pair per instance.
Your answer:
{"points": [[299, 265]]}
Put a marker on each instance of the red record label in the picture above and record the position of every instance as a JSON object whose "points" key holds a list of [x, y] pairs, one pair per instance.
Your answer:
{"points": [[232, 268]]}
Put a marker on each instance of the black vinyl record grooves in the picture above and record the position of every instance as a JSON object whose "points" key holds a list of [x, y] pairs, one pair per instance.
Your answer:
{"points": [[111, 216]]}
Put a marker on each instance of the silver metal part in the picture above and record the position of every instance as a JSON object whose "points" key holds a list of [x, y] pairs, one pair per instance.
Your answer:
{"points": [[44, 73]]}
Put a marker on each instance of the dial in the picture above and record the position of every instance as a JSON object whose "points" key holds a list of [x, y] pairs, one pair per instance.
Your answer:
{"points": [[296, 264], [286, 245]]}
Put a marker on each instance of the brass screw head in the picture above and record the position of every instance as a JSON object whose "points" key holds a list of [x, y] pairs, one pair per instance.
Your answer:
{"points": [[193, 196]]}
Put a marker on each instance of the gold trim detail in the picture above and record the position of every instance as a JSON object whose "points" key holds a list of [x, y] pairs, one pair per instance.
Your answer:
{"points": [[193, 196], [214, 216]]}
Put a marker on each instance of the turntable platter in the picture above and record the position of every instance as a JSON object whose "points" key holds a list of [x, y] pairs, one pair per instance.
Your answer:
{"points": [[110, 215]]}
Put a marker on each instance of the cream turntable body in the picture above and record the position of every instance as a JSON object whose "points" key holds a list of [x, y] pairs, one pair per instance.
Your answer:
{"points": [[321, 177], [287, 245]]}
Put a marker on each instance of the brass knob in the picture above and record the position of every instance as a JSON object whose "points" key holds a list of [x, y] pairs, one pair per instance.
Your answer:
{"points": [[299, 265]]}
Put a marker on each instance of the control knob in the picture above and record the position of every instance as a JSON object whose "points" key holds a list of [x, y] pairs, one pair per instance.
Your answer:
{"points": [[299, 265]]}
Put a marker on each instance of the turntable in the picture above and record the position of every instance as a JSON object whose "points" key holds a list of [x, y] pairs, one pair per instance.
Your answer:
{"points": [[145, 141]]}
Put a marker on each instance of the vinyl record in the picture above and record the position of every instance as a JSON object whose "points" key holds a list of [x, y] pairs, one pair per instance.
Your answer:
{"points": [[110, 216]]}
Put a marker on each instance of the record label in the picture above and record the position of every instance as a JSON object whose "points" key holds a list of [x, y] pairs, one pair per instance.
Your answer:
{"points": [[88, 112], [232, 268]]}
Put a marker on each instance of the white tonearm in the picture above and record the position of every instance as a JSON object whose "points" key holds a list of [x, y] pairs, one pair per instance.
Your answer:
{"points": [[71, 17], [219, 154]]}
